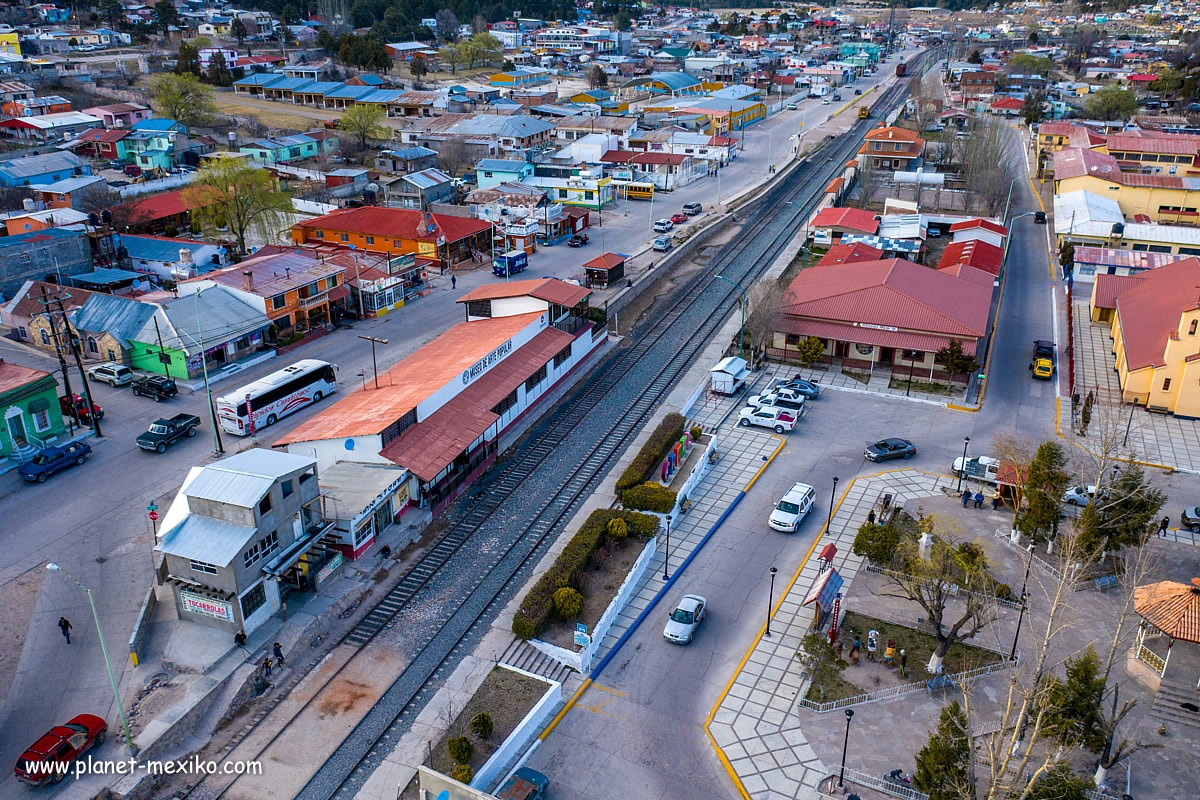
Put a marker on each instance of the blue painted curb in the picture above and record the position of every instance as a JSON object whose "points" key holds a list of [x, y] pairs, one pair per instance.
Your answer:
{"points": [[595, 674]]}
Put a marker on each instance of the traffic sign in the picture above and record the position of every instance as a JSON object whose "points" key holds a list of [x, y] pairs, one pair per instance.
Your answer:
{"points": [[152, 507], [582, 639], [154, 516]]}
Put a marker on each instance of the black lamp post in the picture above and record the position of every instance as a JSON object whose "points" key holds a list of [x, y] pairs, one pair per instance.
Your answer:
{"points": [[832, 499], [961, 472], [1021, 617], [845, 744], [770, 599], [667, 554]]}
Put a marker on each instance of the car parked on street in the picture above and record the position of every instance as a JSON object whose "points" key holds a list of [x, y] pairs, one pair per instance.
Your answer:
{"points": [[1039, 217], [679, 219], [792, 508], [791, 106], [48, 760], [1079, 495], [685, 619], [160, 387], [663, 225], [81, 408], [1190, 518], [578, 240], [662, 244], [888, 449], [780, 420], [112, 374], [54, 459], [1042, 363], [693, 209]]}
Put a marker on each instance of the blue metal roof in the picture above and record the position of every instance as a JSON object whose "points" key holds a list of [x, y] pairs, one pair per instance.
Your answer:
{"points": [[292, 84], [410, 153], [372, 80], [106, 277], [380, 96], [349, 92], [158, 124], [322, 87], [35, 237], [123, 317], [502, 165], [672, 80], [427, 179], [260, 79], [153, 248]]}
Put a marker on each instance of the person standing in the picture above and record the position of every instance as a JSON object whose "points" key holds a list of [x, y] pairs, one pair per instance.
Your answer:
{"points": [[64, 625], [1163, 525], [267, 664], [966, 497], [903, 663], [996, 502], [453, 281], [279, 653], [872, 644], [870, 517], [855, 649]]}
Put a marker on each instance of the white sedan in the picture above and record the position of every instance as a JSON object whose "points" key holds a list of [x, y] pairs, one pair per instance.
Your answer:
{"points": [[685, 619], [1079, 495]]}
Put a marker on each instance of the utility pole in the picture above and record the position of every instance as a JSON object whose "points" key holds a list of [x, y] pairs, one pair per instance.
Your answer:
{"points": [[374, 365], [218, 446], [87, 387], [62, 361]]}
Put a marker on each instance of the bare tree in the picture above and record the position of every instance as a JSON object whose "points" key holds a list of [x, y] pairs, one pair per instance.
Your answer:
{"points": [[1017, 450], [453, 155], [985, 158], [927, 99], [762, 301]]}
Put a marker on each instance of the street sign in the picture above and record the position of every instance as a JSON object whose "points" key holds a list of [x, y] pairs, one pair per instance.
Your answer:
{"points": [[582, 639], [152, 507], [580, 627], [153, 516]]}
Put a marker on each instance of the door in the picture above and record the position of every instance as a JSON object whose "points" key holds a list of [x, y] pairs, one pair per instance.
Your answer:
{"points": [[16, 429]]}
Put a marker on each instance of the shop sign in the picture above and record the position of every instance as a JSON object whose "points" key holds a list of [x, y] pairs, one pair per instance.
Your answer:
{"points": [[329, 567], [487, 362], [875, 327], [217, 609]]}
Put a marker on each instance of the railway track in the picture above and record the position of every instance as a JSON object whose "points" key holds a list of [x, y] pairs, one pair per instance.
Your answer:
{"points": [[611, 392]]}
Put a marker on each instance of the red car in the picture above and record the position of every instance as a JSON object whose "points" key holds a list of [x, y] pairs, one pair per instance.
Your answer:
{"points": [[679, 219], [81, 405], [50, 757]]}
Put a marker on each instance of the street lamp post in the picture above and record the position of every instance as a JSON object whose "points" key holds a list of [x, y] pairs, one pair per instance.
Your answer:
{"points": [[770, 599], [832, 498], [845, 744], [103, 649], [1024, 602], [742, 306], [374, 365], [961, 472], [667, 552]]}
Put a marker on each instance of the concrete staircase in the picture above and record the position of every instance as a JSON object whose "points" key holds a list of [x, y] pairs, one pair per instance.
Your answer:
{"points": [[522, 655], [1169, 703]]}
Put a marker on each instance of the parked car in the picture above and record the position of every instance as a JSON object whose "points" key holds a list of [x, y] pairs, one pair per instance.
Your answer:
{"points": [[792, 508], [685, 619], [159, 387], [132, 170], [48, 760], [1039, 217], [791, 106], [525, 784], [165, 432], [679, 219], [825, 101], [1079, 495], [662, 244], [693, 209], [578, 240], [118, 184], [837, 95], [1191, 518], [857, 92], [773, 400], [54, 459], [809, 390], [783, 390], [1042, 363], [112, 374], [779, 419], [81, 408], [887, 449], [663, 225]]}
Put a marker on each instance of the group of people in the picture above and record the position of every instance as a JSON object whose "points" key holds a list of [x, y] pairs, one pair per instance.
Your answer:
{"points": [[978, 498], [891, 657]]}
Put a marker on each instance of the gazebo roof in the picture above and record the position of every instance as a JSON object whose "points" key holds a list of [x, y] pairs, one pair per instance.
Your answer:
{"points": [[1173, 608]]}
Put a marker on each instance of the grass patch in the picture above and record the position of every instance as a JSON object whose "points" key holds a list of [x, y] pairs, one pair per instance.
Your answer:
{"points": [[835, 688], [609, 566], [918, 646], [928, 387], [861, 377]]}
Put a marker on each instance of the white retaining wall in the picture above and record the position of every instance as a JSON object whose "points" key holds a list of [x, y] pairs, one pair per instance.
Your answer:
{"points": [[491, 772], [693, 480]]}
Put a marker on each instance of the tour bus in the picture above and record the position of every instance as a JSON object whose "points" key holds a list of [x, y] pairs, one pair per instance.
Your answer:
{"points": [[275, 396]]}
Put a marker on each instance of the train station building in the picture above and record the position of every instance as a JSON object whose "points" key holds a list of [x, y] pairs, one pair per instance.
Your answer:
{"points": [[439, 414]]}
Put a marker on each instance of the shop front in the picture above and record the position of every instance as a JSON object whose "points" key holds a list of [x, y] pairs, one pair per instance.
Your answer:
{"points": [[363, 501]]}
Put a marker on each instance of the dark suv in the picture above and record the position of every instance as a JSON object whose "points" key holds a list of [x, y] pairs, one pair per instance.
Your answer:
{"points": [[156, 386]]}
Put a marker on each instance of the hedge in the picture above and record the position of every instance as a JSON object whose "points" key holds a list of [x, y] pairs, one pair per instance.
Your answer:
{"points": [[650, 496], [653, 452], [537, 607]]}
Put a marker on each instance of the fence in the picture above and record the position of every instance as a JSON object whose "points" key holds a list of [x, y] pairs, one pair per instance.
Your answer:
{"points": [[893, 692], [701, 469], [157, 184], [884, 785]]}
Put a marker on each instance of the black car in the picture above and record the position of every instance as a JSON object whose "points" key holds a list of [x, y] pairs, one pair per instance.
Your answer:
{"points": [[1191, 518], [1039, 217], [810, 390], [887, 449], [578, 240], [157, 386]]}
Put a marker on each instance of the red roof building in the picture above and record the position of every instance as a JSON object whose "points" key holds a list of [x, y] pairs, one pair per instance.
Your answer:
{"points": [[830, 223], [973, 253], [849, 254], [894, 148], [438, 239], [979, 229], [1007, 106]]}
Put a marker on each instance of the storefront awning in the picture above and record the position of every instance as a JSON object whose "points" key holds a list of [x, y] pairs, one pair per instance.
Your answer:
{"points": [[280, 563]]}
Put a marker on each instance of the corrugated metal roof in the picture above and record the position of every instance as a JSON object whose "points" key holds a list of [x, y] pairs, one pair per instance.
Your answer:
{"points": [[292, 84], [347, 92], [157, 248], [30, 166], [261, 79], [427, 179], [322, 87], [502, 165], [120, 316], [212, 541], [223, 314], [242, 479]]}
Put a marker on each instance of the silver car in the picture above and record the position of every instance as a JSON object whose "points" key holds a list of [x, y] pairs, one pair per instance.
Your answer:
{"points": [[1079, 495], [685, 619], [112, 374]]}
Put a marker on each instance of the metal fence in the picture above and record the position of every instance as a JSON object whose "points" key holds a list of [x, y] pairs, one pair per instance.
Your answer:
{"points": [[902, 790], [901, 690]]}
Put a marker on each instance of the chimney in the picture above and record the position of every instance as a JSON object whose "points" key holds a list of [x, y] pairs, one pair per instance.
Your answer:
{"points": [[248, 280]]}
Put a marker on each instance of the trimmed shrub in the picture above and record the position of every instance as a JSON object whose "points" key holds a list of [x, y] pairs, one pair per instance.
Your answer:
{"points": [[653, 452], [463, 773], [697, 432], [568, 603], [1004, 591], [617, 530], [649, 496], [481, 725], [877, 543], [537, 607], [460, 749], [171, 231]]}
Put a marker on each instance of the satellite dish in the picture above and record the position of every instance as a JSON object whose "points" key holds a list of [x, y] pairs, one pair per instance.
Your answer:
{"points": [[372, 187]]}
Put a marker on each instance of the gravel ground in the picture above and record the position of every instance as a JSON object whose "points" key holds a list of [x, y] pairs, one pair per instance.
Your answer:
{"points": [[17, 598]]}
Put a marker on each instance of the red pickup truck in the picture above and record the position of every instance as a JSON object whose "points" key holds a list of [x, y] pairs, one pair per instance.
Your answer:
{"points": [[49, 759]]}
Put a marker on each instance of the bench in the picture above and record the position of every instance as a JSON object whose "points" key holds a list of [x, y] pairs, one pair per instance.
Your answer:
{"points": [[1105, 582], [939, 682]]}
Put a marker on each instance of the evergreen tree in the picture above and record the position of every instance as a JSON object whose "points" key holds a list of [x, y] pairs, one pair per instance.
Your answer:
{"points": [[1123, 514], [1044, 487], [188, 62], [954, 360], [238, 31], [1076, 717], [943, 764], [218, 71]]}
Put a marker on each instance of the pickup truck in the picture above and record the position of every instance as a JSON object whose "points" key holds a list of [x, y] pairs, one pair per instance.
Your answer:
{"points": [[981, 468], [165, 432], [53, 459]]}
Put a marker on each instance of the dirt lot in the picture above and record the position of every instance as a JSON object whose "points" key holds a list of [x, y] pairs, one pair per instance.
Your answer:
{"points": [[273, 113], [17, 597], [599, 587]]}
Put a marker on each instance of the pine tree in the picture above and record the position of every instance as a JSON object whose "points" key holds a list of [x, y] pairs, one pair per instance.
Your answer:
{"points": [[943, 764], [1044, 487]]}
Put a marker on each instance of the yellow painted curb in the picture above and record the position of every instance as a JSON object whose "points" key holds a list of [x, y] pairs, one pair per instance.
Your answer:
{"points": [[746, 657], [770, 458], [956, 407], [570, 703]]}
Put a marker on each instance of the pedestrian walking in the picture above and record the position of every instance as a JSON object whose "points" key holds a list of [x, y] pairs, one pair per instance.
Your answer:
{"points": [[903, 663], [279, 653], [1163, 525], [453, 281], [870, 517], [996, 502], [966, 497], [64, 625], [979, 499], [267, 664]]}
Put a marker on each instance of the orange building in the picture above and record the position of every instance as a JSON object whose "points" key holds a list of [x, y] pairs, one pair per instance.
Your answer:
{"points": [[36, 106], [438, 240]]}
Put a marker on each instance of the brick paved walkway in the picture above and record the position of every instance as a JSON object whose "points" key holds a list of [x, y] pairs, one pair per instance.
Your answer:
{"points": [[756, 724], [1156, 438]]}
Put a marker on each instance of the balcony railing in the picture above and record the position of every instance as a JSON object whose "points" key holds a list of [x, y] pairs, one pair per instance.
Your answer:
{"points": [[314, 300]]}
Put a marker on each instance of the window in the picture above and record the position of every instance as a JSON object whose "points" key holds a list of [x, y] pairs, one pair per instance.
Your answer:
{"points": [[41, 416], [253, 600], [345, 237], [370, 240], [262, 548], [91, 345], [288, 488], [45, 338], [1192, 328], [264, 505], [562, 356], [278, 302], [320, 234], [203, 566], [331, 281], [112, 356], [562, 194], [507, 403], [1166, 384], [533, 380]]}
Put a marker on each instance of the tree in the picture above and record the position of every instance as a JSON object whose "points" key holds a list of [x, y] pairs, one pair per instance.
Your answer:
{"points": [[944, 763], [1085, 415], [452, 56], [762, 302], [985, 156], [1058, 782], [1123, 514], [418, 67], [568, 603], [447, 24], [622, 20], [597, 77], [218, 71], [453, 155], [238, 31], [818, 658], [365, 122], [1044, 487], [181, 97], [974, 58], [111, 10], [483, 47], [1018, 451], [1076, 717], [1168, 82], [239, 195], [327, 42], [878, 543], [482, 725], [1034, 35], [811, 350], [1111, 102], [1066, 257], [954, 360], [1031, 107], [165, 16], [1026, 64], [188, 61]]}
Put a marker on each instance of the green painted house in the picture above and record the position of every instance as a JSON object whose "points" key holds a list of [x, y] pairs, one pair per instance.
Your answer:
{"points": [[29, 405]]}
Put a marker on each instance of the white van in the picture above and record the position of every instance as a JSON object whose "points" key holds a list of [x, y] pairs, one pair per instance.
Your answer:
{"points": [[791, 510]]}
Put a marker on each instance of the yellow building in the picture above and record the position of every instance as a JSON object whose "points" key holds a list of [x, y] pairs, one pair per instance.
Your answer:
{"points": [[1155, 320], [10, 43], [1161, 198], [1156, 154]]}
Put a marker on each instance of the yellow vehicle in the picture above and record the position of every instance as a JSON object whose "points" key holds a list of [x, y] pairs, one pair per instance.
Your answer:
{"points": [[864, 112], [1042, 365]]}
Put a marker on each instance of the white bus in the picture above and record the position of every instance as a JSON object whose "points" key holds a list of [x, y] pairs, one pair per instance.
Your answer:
{"points": [[276, 396]]}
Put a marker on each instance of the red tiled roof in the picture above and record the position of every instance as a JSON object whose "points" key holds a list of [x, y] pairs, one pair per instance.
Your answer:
{"points": [[893, 293], [967, 272], [14, 376], [161, 206], [429, 446], [1174, 144], [1149, 310], [1072, 162], [835, 185], [1007, 102], [843, 332], [855, 219], [396, 223], [1173, 608], [1055, 129], [849, 254], [974, 253], [552, 290], [102, 135], [1109, 286], [605, 261], [29, 301], [1143, 77], [986, 224]]}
